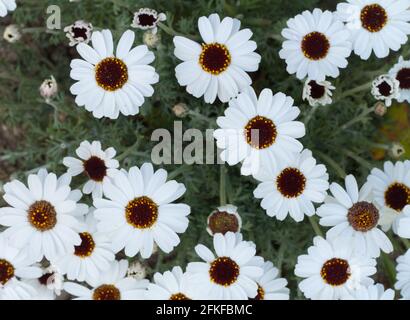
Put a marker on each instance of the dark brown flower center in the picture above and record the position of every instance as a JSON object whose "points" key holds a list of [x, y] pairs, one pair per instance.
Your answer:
{"points": [[42, 215], [373, 17], [111, 74], [384, 89], [223, 222], [87, 246], [95, 168], [260, 132], [146, 19], [141, 213], [214, 58], [179, 296], [106, 292], [6, 271], [363, 216], [315, 46], [403, 76], [317, 91], [291, 182], [79, 32], [224, 271], [46, 279], [397, 196], [335, 272]]}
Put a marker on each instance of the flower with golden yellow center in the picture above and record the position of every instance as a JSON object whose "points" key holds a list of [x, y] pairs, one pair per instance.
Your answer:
{"points": [[335, 272], [260, 132], [141, 213], [106, 292], [373, 17], [111, 74], [42, 215], [224, 271], [87, 246], [214, 58], [6, 271], [363, 216]]}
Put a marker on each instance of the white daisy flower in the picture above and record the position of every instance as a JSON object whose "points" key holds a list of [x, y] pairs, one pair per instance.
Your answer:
{"points": [[147, 19], [351, 214], [259, 131], [376, 25], [316, 45], [332, 270], [171, 285], [15, 267], [373, 292], [386, 88], [231, 274], [391, 191], [99, 165], [89, 259], [270, 286], [109, 84], [219, 66], [139, 211], [293, 187], [317, 93], [110, 285], [79, 32], [403, 275], [49, 285], [224, 219], [7, 5], [401, 72], [42, 218]]}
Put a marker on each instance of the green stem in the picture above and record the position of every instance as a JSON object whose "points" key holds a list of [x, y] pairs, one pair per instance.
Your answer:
{"points": [[222, 186], [363, 87], [170, 31], [310, 115], [315, 226], [359, 118], [127, 151], [339, 170], [406, 243], [358, 159]]}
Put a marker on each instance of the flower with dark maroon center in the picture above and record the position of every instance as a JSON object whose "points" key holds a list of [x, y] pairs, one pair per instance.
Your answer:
{"points": [[106, 292], [42, 215], [146, 19], [260, 132], [385, 89], [403, 76], [111, 74], [223, 222], [317, 91], [79, 32], [6, 271], [335, 272], [373, 17], [315, 46], [397, 196], [214, 58], [363, 216], [95, 168], [87, 246], [179, 296], [224, 271], [141, 213], [291, 182]]}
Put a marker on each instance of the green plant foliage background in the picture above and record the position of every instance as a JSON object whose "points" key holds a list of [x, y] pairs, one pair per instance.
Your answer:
{"points": [[35, 134]]}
